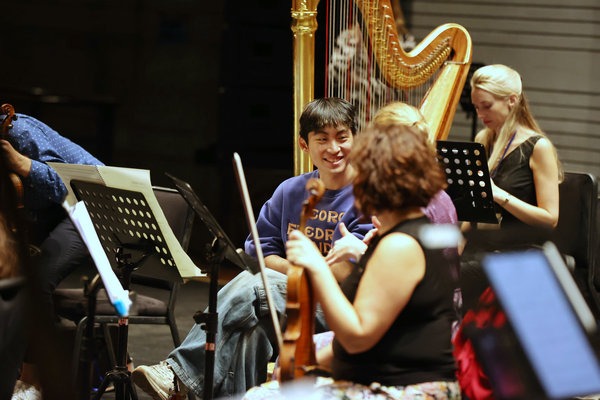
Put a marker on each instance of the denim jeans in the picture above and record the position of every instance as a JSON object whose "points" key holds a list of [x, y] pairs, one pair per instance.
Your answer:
{"points": [[244, 337]]}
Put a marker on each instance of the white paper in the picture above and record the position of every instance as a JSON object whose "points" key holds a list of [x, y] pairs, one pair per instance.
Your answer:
{"points": [[118, 296], [137, 180], [87, 173]]}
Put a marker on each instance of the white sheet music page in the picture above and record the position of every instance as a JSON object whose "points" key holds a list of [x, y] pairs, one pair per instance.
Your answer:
{"points": [[132, 179], [118, 296], [67, 172]]}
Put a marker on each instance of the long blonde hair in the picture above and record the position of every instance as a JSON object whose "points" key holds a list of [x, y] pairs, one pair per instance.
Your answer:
{"points": [[502, 82]]}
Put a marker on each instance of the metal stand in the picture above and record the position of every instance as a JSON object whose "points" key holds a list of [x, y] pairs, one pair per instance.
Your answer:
{"points": [[123, 221], [221, 248], [208, 320], [118, 375]]}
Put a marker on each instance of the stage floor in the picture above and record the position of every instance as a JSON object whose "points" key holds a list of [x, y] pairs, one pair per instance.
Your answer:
{"points": [[150, 344]]}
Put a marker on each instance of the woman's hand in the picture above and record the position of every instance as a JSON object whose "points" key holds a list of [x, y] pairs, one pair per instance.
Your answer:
{"points": [[303, 252]]}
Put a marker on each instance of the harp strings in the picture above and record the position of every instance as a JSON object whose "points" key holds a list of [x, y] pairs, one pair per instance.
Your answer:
{"points": [[352, 71]]}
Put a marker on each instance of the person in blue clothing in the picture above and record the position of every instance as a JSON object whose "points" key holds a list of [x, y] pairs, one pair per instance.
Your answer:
{"points": [[392, 316], [29, 146], [245, 340]]}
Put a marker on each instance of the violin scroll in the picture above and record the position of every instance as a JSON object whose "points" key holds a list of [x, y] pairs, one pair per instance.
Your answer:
{"points": [[9, 111], [315, 188], [297, 356]]}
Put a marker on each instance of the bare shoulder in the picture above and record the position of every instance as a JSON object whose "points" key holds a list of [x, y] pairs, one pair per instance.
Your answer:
{"points": [[543, 147], [544, 156], [397, 242], [543, 142], [399, 254]]}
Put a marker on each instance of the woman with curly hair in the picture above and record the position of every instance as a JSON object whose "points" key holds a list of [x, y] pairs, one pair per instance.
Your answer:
{"points": [[392, 316]]}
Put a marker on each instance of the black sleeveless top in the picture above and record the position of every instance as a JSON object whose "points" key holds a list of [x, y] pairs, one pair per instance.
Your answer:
{"points": [[516, 177], [417, 347]]}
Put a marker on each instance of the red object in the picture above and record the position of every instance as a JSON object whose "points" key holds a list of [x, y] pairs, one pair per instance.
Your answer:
{"points": [[472, 379]]}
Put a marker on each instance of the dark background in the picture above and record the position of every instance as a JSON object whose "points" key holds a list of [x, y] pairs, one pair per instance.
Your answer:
{"points": [[170, 86]]}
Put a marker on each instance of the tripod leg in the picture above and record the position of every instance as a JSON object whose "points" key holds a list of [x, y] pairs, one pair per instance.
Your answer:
{"points": [[107, 379], [124, 389], [130, 389], [119, 375]]}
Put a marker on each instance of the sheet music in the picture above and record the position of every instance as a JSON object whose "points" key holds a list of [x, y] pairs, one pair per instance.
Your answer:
{"points": [[118, 296], [88, 173], [135, 180], [468, 178]]}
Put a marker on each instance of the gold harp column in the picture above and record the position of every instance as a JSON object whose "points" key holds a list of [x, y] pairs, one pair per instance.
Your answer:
{"points": [[304, 26]]}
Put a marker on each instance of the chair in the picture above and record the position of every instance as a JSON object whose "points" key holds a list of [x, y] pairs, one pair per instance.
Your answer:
{"points": [[162, 283], [594, 280], [575, 234]]}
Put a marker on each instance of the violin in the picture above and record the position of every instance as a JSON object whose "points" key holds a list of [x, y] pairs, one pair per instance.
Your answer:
{"points": [[297, 355], [17, 185]]}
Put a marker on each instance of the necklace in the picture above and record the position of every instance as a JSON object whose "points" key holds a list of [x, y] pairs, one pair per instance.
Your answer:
{"points": [[495, 170]]}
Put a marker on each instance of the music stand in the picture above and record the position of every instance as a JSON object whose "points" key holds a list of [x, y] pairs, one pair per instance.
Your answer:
{"points": [[221, 248], [469, 182], [129, 234]]}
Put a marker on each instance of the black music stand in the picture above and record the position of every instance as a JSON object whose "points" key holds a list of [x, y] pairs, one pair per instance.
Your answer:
{"points": [[469, 182], [220, 249], [129, 234]]}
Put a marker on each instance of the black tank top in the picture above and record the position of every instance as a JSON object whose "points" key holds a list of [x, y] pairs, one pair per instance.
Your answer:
{"points": [[417, 347], [516, 177]]}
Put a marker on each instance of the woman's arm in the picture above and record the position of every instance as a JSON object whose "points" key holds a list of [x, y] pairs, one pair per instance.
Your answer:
{"points": [[381, 295], [545, 177], [325, 356]]}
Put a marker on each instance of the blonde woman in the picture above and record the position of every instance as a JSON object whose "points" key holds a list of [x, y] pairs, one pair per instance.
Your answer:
{"points": [[522, 160], [524, 168]]}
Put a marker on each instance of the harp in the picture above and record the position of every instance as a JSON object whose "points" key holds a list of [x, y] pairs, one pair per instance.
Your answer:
{"points": [[367, 65]]}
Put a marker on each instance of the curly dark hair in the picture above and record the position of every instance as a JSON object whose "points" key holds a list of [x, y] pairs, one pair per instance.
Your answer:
{"points": [[329, 111], [395, 167]]}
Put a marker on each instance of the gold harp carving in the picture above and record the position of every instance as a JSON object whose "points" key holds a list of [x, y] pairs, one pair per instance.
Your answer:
{"points": [[441, 60], [304, 26]]}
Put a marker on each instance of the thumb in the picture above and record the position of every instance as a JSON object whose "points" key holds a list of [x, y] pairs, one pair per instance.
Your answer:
{"points": [[343, 230]]}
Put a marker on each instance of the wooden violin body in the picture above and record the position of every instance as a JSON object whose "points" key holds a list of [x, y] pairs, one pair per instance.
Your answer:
{"points": [[298, 353], [297, 356]]}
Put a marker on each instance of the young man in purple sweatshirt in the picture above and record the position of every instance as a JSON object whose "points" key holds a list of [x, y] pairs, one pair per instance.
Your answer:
{"points": [[245, 340]]}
